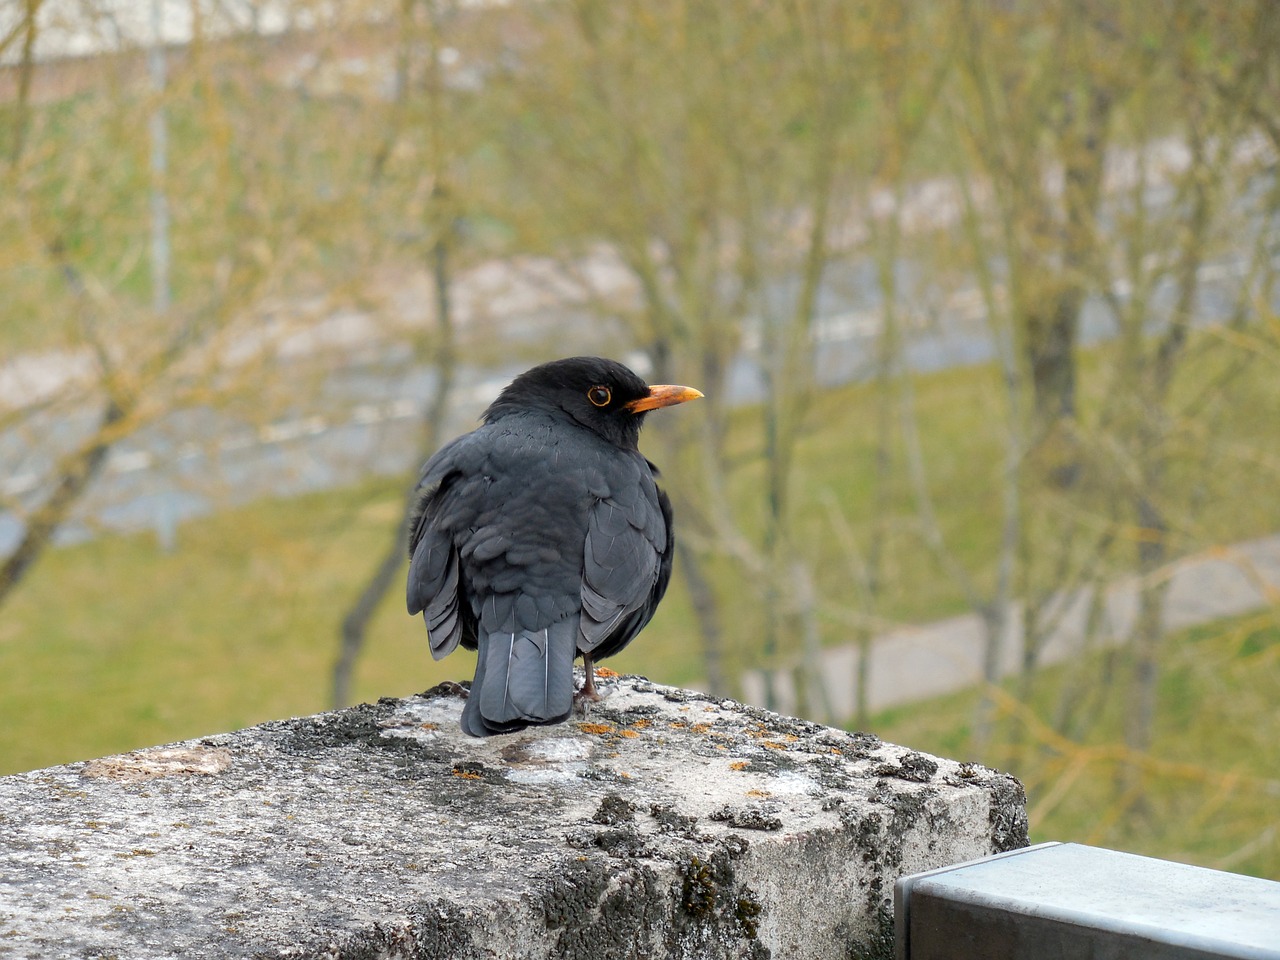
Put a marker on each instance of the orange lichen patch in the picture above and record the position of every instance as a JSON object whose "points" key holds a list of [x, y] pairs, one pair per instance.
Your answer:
{"points": [[598, 729], [629, 734], [429, 726], [607, 673], [466, 774], [773, 744], [624, 775], [678, 724], [739, 764], [761, 732], [701, 728], [837, 751], [759, 793], [640, 724]]}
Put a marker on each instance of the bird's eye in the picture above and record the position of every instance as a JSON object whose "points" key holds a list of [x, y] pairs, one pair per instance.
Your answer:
{"points": [[600, 396]]}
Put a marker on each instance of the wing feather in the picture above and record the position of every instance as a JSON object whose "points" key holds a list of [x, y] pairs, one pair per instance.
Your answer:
{"points": [[622, 559], [434, 585]]}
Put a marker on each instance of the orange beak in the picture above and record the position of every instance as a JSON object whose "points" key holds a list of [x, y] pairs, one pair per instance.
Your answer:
{"points": [[662, 395]]}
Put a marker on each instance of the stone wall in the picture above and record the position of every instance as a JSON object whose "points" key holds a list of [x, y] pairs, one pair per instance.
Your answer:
{"points": [[665, 824]]}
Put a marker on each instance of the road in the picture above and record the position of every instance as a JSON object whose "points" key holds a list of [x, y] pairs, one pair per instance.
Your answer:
{"points": [[915, 663]]}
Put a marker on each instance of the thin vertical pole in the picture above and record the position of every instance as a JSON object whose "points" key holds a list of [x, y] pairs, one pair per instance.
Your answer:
{"points": [[159, 166]]}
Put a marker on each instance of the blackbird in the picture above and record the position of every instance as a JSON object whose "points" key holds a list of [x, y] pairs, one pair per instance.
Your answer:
{"points": [[541, 536]]}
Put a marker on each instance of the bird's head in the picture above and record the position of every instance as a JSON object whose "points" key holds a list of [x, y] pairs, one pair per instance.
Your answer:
{"points": [[602, 395]]}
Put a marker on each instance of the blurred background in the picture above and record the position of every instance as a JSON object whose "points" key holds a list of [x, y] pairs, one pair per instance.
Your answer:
{"points": [[982, 296]]}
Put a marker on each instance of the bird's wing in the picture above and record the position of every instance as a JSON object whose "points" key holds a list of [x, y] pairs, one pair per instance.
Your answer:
{"points": [[433, 586], [433, 591], [627, 539], [437, 473]]}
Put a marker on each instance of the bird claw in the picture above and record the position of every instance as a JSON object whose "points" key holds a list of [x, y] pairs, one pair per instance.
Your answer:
{"points": [[582, 699]]}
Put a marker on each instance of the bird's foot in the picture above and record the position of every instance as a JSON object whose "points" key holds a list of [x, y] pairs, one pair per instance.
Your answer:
{"points": [[582, 701], [606, 690], [589, 693], [595, 692]]}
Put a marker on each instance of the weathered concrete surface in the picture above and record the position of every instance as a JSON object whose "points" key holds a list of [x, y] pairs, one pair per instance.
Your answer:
{"points": [[667, 825]]}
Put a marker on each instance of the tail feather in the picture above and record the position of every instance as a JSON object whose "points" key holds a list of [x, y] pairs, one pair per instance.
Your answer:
{"points": [[522, 678], [472, 722]]}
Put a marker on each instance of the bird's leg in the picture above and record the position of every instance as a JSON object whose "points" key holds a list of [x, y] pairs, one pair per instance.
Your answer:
{"points": [[588, 691]]}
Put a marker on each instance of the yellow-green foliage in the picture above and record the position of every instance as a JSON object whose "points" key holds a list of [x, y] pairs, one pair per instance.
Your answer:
{"points": [[1210, 783]]}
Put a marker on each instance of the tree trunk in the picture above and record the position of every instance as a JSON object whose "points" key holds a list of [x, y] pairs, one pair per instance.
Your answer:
{"points": [[707, 613], [26, 67], [1053, 324], [1150, 443], [355, 624], [75, 476]]}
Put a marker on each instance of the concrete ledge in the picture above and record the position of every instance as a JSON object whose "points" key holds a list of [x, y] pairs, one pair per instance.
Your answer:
{"points": [[667, 825]]}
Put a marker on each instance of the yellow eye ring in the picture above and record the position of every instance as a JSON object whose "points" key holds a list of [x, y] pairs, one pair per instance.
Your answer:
{"points": [[599, 395]]}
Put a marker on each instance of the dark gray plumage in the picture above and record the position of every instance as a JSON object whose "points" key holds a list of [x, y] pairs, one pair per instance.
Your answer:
{"points": [[542, 536]]}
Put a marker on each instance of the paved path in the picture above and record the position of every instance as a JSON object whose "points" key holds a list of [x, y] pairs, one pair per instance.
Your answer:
{"points": [[916, 663]]}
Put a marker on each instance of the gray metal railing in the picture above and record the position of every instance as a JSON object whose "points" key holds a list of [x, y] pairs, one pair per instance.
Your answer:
{"points": [[1067, 901]]}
